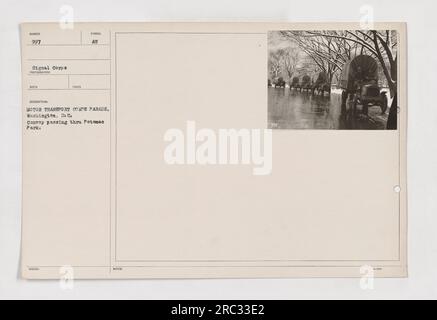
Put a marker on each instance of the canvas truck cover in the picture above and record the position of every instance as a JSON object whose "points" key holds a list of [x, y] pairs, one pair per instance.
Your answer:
{"points": [[306, 80], [359, 68]]}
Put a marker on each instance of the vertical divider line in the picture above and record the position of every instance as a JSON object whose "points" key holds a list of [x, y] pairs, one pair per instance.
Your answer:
{"points": [[110, 152], [115, 146]]}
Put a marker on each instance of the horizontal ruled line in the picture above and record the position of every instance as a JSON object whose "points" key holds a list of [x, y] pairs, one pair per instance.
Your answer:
{"points": [[66, 45], [69, 74], [57, 59], [29, 89], [225, 266]]}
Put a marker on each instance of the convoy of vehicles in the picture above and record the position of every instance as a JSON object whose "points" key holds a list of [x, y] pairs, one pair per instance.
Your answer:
{"points": [[358, 83]]}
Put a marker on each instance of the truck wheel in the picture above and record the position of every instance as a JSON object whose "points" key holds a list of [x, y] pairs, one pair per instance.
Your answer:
{"points": [[343, 101], [354, 104], [384, 104]]}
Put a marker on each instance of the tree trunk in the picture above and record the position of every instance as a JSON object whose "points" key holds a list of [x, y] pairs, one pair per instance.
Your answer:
{"points": [[392, 121]]}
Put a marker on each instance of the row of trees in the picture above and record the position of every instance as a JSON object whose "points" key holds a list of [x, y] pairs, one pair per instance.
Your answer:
{"points": [[328, 51]]}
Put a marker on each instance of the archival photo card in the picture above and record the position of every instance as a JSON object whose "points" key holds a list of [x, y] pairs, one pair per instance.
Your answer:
{"points": [[158, 150]]}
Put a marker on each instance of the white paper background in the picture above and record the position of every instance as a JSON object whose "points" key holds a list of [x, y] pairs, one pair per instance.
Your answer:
{"points": [[422, 153]]}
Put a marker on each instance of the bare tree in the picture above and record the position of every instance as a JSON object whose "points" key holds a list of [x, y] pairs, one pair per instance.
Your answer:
{"points": [[274, 64], [283, 61], [331, 49], [290, 61]]}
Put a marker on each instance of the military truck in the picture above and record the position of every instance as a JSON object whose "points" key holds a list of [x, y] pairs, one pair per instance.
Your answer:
{"points": [[305, 84], [294, 83], [359, 81], [321, 84], [280, 83]]}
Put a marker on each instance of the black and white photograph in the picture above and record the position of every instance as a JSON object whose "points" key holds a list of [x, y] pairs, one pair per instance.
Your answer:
{"points": [[332, 79]]}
